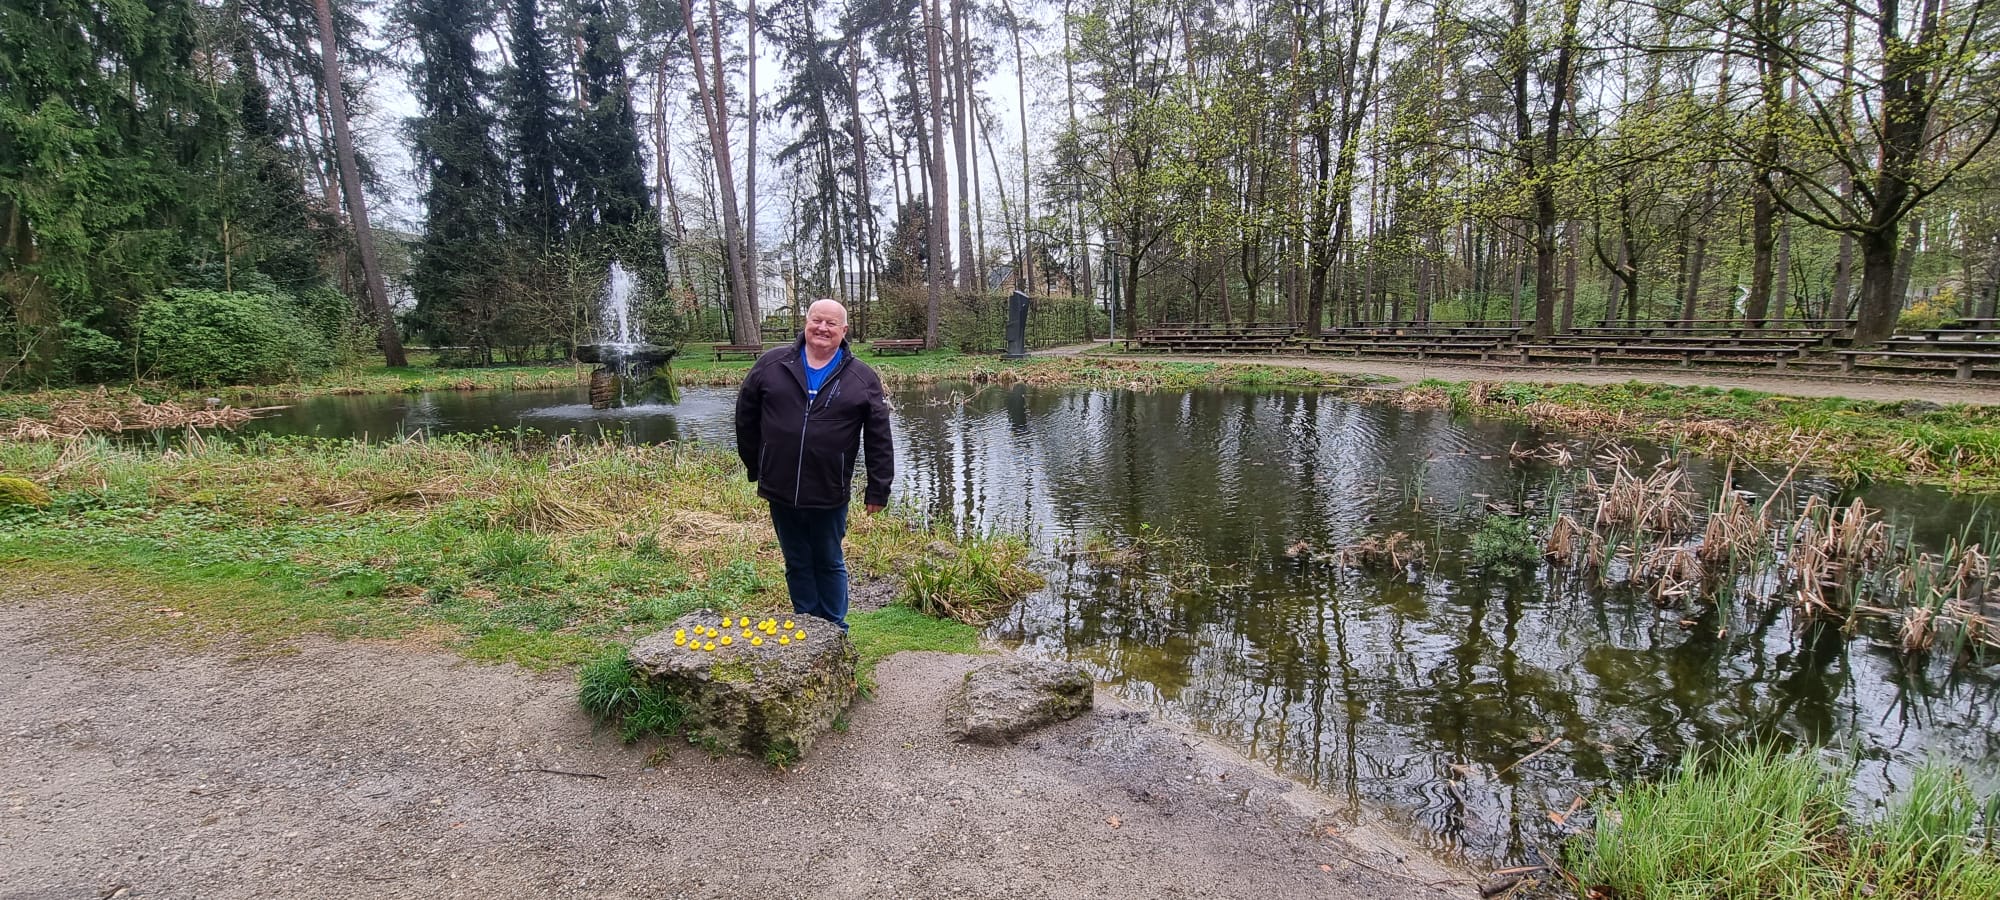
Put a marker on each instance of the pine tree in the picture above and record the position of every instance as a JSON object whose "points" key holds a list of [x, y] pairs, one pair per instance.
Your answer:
{"points": [[610, 177], [463, 181], [534, 126]]}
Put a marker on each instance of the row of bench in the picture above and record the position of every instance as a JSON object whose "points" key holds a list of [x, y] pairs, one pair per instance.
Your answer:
{"points": [[1966, 349]]}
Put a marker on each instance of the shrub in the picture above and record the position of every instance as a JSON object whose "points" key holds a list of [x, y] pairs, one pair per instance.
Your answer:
{"points": [[90, 355], [1929, 312], [204, 338]]}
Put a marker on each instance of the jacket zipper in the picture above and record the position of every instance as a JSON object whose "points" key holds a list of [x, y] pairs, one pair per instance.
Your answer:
{"points": [[799, 473]]}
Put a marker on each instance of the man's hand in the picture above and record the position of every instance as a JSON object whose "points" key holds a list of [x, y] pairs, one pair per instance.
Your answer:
{"points": [[874, 508]]}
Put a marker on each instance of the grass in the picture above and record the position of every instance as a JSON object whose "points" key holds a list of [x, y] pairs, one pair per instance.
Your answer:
{"points": [[1755, 824], [1953, 446], [516, 548]]}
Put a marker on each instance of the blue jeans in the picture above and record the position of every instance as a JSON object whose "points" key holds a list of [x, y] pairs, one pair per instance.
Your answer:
{"points": [[815, 569]]}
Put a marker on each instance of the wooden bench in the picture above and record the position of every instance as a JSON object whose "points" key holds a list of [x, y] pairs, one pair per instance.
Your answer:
{"points": [[880, 346], [747, 351], [1644, 352], [1962, 362]]}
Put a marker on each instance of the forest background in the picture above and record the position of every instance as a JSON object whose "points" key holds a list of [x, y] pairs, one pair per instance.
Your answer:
{"points": [[183, 194]]}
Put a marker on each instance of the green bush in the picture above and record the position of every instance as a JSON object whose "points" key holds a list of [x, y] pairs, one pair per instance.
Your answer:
{"points": [[204, 338], [89, 355]]}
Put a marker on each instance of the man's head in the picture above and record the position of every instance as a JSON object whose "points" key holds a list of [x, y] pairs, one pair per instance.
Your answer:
{"points": [[826, 326]]}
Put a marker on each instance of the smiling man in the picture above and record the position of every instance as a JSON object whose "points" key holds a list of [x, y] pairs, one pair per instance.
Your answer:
{"points": [[802, 416]]}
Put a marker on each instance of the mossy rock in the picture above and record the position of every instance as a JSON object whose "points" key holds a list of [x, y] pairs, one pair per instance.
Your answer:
{"points": [[770, 702], [17, 491]]}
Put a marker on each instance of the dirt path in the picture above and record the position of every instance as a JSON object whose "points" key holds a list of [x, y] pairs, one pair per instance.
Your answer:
{"points": [[359, 769], [1407, 372]]}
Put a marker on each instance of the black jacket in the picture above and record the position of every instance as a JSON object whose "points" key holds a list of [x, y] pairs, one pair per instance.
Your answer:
{"points": [[805, 457]]}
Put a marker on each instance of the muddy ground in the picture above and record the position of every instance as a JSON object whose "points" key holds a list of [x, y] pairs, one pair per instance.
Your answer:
{"points": [[355, 769]]}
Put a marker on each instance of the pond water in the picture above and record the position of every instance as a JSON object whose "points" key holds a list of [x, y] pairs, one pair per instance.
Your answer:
{"points": [[1418, 692]]}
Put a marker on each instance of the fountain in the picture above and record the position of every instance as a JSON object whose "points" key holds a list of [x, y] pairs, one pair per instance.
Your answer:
{"points": [[629, 371]]}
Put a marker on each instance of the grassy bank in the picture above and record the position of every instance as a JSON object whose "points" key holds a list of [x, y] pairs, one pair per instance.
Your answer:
{"points": [[153, 405], [537, 552], [1953, 446], [1754, 825]]}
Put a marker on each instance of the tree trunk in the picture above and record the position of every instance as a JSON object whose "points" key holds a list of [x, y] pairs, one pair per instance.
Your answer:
{"points": [[939, 255], [955, 70], [744, 327], [390, 338], [750, 268], [1027, 279], [1569, 280]]}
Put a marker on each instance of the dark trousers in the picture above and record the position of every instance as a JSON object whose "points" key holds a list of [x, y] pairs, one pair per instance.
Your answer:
{"points": [[815, 569]]}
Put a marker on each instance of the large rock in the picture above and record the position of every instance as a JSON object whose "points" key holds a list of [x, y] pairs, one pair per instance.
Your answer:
{"points": [[771, 701], [1003, 700]]}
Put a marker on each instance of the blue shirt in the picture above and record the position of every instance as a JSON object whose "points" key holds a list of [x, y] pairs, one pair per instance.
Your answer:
{"points": [[817, 376]]}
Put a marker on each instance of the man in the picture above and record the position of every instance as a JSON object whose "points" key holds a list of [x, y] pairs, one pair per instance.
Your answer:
{"points": [[801, 414]]}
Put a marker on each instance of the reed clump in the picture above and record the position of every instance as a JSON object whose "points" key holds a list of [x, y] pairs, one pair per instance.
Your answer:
{"points": [[973, 582], [1758, 825]]}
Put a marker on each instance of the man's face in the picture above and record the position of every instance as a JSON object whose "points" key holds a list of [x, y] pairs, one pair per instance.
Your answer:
{"points": [[826, 327]]}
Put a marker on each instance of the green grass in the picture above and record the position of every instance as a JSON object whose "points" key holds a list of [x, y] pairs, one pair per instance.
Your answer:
{"points": [[893, 629], [1755, 824], [518, 550], [1954, 446]]}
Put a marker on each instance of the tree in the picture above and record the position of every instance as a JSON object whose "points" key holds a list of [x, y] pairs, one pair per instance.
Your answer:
{"points": [[463, 180], [350, 183]]}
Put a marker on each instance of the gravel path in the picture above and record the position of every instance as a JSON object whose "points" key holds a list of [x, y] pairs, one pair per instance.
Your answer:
{"points": [[1409, 371], [357, 769]]}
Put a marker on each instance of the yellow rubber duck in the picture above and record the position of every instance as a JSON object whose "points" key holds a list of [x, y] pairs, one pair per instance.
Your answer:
{"points": [[799, 635], [756, 642], [783, 640], [725, 621], [680, 640], [681, 633], [788, 624], [708, 646], [711, 632], [747, 632]]}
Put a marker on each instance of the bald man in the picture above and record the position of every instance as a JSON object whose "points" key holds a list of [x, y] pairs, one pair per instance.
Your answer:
{"points": [[801, 416]]}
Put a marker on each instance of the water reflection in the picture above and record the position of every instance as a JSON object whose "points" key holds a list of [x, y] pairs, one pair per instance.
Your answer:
{"points": [[1419, 693]]}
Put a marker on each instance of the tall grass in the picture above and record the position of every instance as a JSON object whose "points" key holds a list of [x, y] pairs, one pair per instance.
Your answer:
{"points": [[1754, 824]]}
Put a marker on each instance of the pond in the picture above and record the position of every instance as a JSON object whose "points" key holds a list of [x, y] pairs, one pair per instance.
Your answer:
{"points": [[1193, 542]]}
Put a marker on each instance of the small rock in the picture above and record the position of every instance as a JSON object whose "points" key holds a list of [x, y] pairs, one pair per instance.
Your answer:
{"points": [[1004, 700]]}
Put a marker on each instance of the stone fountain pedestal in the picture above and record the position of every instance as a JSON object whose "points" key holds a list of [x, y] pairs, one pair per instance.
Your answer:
{"points": [[625, 373]]}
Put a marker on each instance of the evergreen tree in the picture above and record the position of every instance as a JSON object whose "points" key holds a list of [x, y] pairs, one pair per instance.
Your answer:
{"points": [[274, 228], [610, 178], [534, 124], [463, 181], [108, 146]]}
